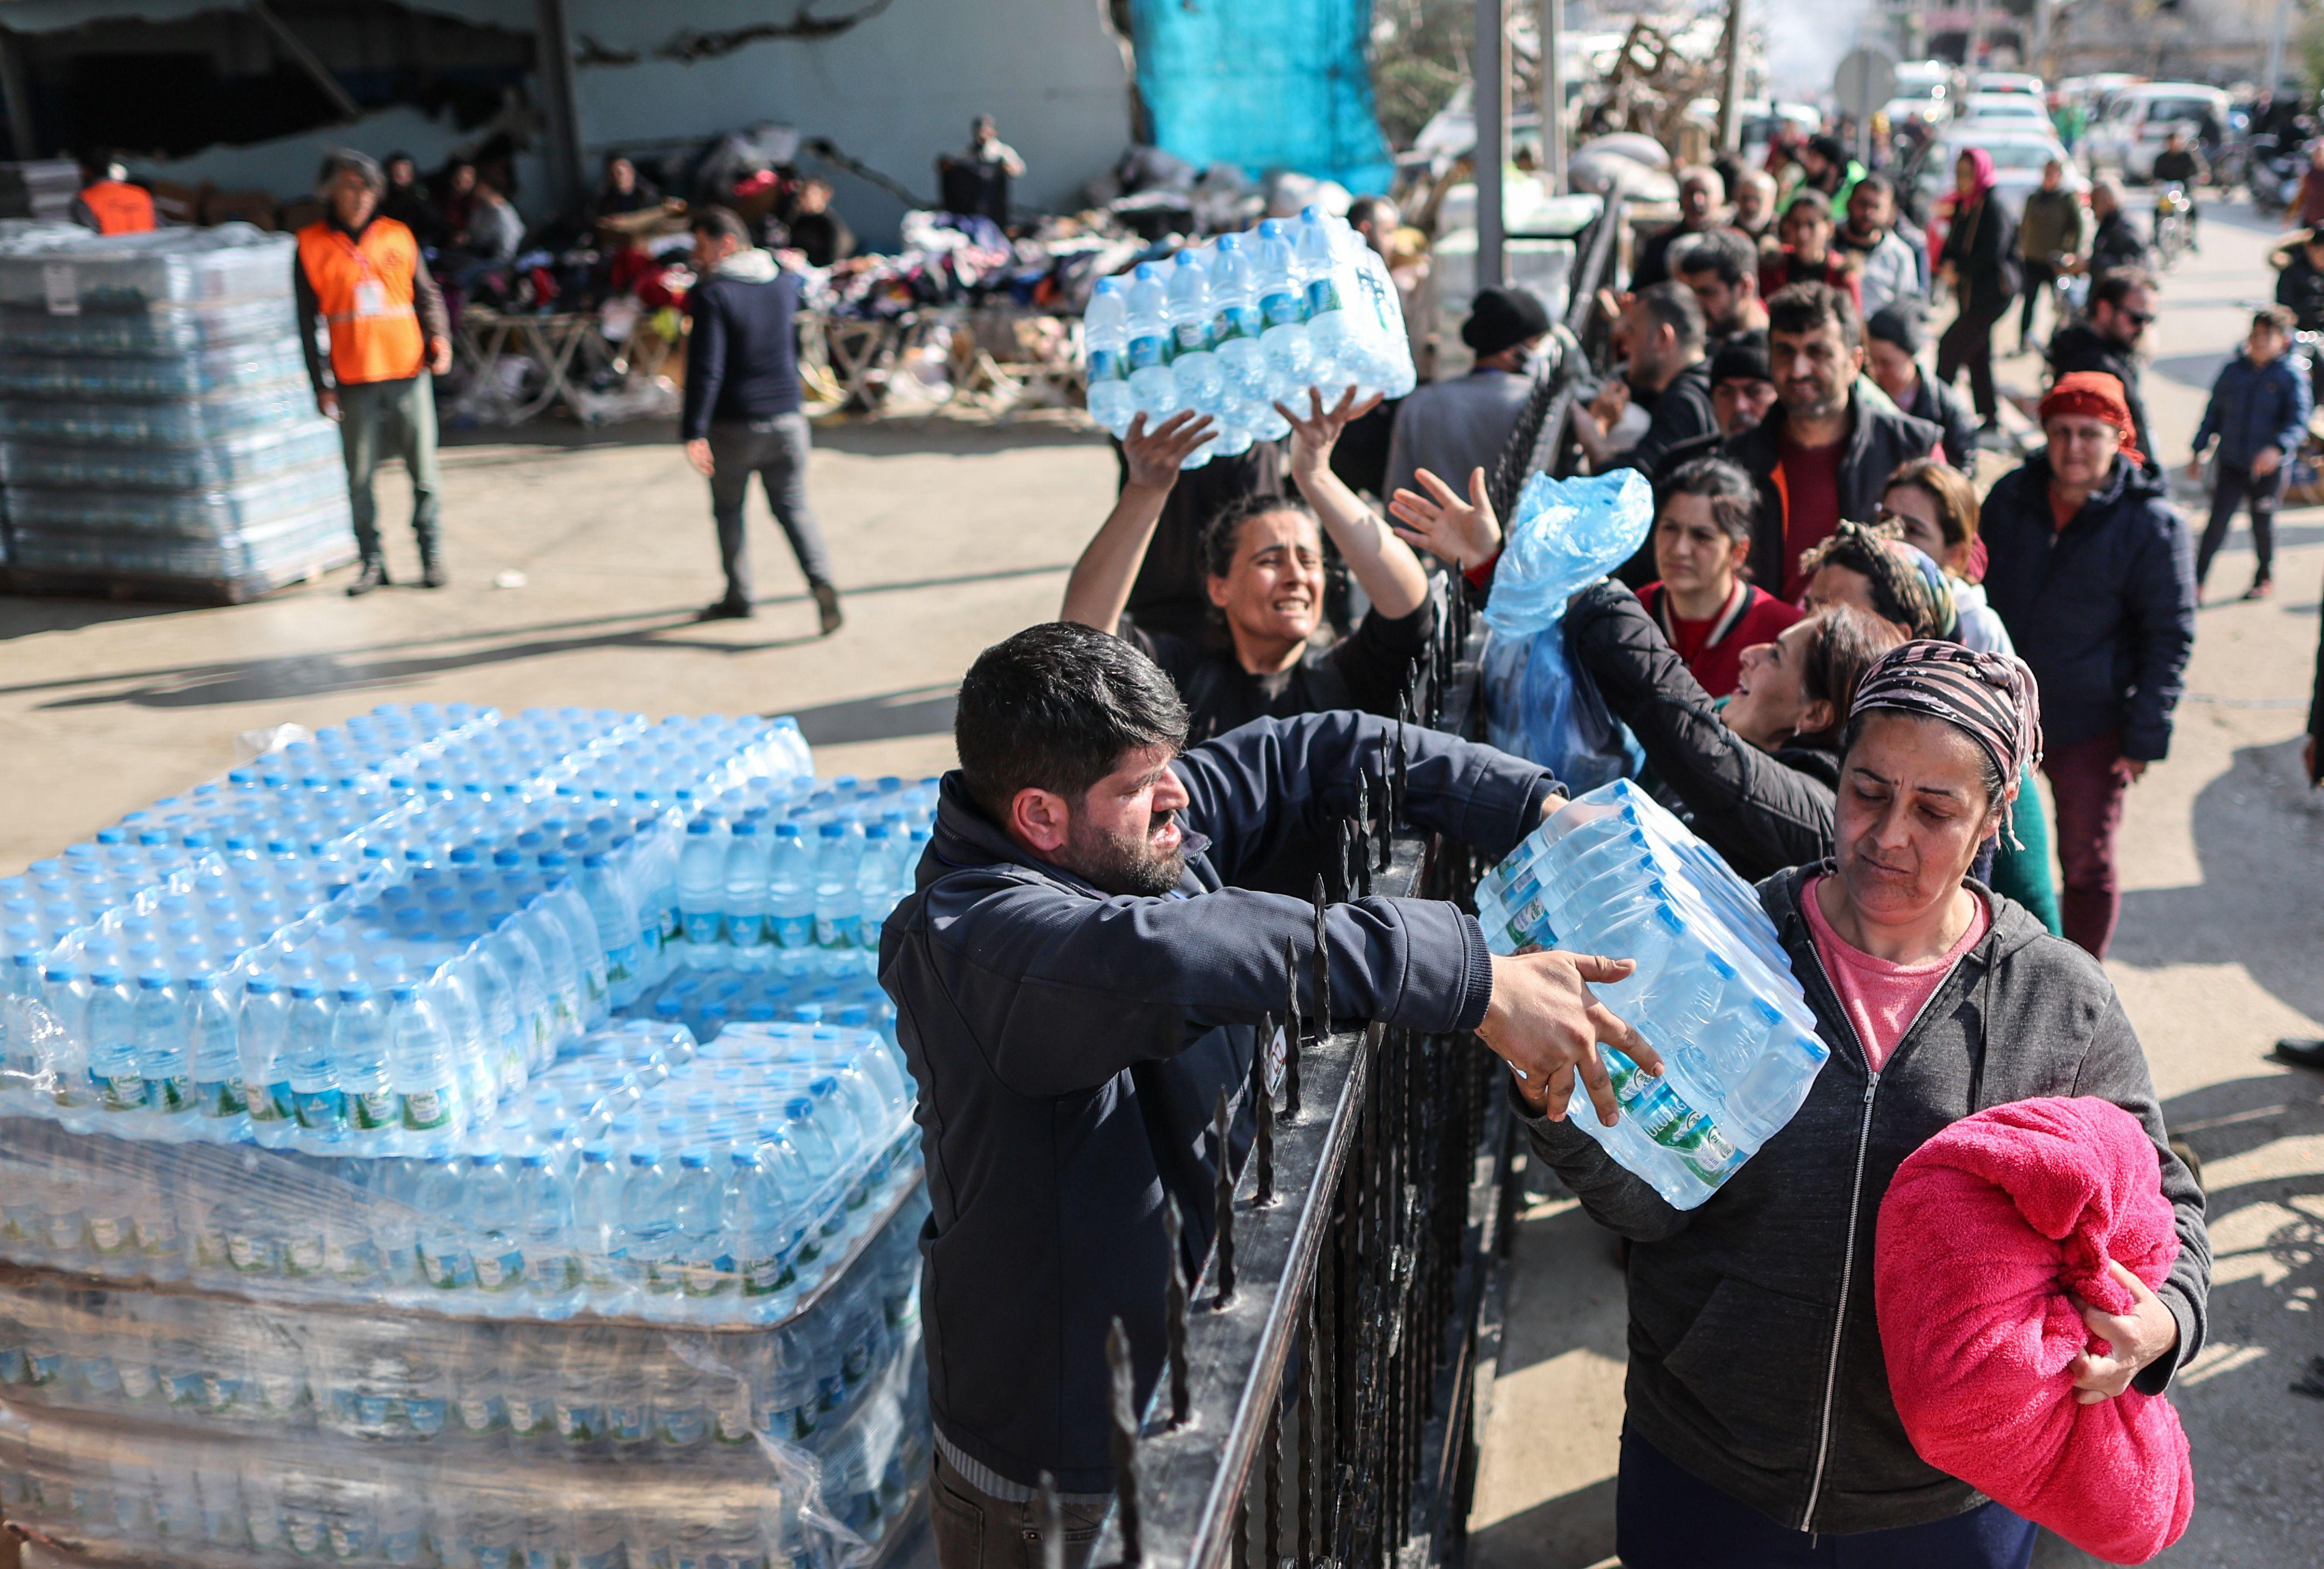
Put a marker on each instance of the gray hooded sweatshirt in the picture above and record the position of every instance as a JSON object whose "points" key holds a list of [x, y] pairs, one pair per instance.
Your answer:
{"points": [[1754, 1357]]}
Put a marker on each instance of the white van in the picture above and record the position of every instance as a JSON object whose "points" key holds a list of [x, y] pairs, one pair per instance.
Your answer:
{"points": [[2138, 120]]}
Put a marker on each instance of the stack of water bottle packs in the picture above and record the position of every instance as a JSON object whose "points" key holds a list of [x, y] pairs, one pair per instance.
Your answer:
{"points": [[354, 1124], [1713, 993], [1235, 326], [155, 417]]}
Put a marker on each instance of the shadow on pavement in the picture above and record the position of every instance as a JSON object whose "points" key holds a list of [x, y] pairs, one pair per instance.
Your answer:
{"points": [[1571, 1531], [2256, 906], [890, 716]]}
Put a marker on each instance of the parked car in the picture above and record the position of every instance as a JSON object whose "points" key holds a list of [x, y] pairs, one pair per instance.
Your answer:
{"points": [[2019, 111], [2137, 122], [1924, 92], [2005, 81]]}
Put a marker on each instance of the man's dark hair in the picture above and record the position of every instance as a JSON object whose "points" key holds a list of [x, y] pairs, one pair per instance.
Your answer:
{"points": [[1223, 533], [2277, 317], [1875, 183], [721, 223], [1733, 496], [1806, 307], [1721, 250], [1056, 707], [1844, 644], [344, 160], [1365, 208], [1674, 306], [2114, 285]]}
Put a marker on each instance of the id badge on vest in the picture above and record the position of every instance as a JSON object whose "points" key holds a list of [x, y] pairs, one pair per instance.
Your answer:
{"points": [[371, 298]]}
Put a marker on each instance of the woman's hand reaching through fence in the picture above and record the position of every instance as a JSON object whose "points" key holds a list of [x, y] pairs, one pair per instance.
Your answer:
{"points": [[1464, 533]]}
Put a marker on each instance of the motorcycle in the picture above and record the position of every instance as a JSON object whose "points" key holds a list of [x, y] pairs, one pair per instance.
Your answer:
{"points": [[2174, 218], [2272, 174]]}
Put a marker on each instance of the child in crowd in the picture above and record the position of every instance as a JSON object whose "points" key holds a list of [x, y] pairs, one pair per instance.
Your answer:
{"points": [[2258, 413]]}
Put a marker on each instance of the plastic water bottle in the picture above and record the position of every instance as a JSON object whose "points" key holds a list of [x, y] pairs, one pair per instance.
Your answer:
{"points": [[358, 1058], [597, 1218], [1283, 339], [213, 1047], [314, 1092], [1151, 385], [113, 1056], [447, 1259], [698, 1213], [552, 1263], [790, 898], [1236, 324], [1188, 300], [647, 1225], [495, 1217], [1315, 257], [421, 1070], [1106, 332], [701, 890], [263, 1034], [838, 915], [618, 926], [758, 1208], [160, 1030], [745, 901]]}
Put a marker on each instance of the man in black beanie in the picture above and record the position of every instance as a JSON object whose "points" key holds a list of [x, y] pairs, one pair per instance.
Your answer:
{"points": [[1831, 171], [1450, 427], [1893, 341]]}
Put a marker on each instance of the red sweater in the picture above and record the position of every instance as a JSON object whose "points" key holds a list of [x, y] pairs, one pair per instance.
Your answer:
{"points": [[1713, 648]]}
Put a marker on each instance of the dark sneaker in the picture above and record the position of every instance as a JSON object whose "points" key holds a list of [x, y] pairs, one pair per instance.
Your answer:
{"points": [[726, 610], [826, 605], [371, 575], [431, 570]]}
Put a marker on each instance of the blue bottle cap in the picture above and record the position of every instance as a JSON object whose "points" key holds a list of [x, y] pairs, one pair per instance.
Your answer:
{"points": [[645, 1155], [597, 1155], [261, 985], [355, 991], [153, 981], [1109, 286], [693, 1159]]}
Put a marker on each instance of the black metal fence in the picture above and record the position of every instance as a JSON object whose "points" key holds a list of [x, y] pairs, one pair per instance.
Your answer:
{"points": [[1318, 1406]]}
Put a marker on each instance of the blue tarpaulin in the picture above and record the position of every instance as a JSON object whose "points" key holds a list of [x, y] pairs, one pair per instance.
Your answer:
{"points": [[1264, 83]]}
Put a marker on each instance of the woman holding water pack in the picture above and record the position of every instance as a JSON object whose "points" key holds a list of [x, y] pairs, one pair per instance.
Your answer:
{"points": [[1760, 1428]]}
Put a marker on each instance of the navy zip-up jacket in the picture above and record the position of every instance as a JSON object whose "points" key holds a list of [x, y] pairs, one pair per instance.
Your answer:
{"points": [[2103, 610], [1070, 1046], [742, 353], [2255, 406]]}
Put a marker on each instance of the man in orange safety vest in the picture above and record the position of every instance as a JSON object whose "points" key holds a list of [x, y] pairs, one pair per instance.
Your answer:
{"points": [[108, 203], [362, 276]]}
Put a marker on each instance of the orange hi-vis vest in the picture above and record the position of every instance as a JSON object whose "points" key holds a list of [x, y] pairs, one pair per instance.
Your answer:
{"points": [[364, 288], [119, 206]]}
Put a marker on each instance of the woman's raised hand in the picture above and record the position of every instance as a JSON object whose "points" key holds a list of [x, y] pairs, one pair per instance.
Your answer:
{"points": [[1463, 532]]}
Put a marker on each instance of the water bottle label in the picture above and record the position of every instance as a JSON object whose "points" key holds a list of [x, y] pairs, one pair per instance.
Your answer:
{"points": [[1106, 365], [550, 1274], [795, 931], [734, 1423], [444, 1271], [579, 1424], [626, 1421], [319, 1109], [370, 1110], [498, 1270], [1282, 311], [46, 1366], [1323, 295], [11, 1365], [838, 931], [831, 1391], [248, 1254], [303, 1257], [169, 1094], [1148, 352], [765, 1277], [223, 1099], [99, 1376], [529, 1418], [120, 1092], [477, 1413], [106, 1234], [426, 1416], [1191, 337], [621, 964], [1237, 321], [276, 1104], [701, 927], [137, 1381], [748, 930], [304, 1532], [425, 1109]]}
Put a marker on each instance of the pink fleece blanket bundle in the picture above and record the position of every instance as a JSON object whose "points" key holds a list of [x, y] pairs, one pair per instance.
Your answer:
{"points": [[1986, 1233]]}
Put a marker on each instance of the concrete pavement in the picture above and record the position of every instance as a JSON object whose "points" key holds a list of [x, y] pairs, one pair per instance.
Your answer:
{"points": [[2221, 950]]}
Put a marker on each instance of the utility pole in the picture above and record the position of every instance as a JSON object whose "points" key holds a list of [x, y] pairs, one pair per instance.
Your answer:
{"points": [[1552, 94], [1731, 102], [1490, 98], [2039, 64], [2274, 82]]}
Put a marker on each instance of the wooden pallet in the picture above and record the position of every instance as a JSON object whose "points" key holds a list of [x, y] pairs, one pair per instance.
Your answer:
{"points": [[33, 582]]}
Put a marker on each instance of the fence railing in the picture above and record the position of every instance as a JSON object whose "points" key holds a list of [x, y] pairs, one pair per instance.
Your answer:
{"points": [[1318, 1403]]}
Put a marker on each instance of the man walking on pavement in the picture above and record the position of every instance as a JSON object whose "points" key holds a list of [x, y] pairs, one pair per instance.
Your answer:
{"points": [[2122, 308], [2048, 238], [362, 276], [742, 414]]}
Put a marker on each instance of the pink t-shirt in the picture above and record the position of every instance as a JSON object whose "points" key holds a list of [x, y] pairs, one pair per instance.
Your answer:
{"points": [[1882, 999]]}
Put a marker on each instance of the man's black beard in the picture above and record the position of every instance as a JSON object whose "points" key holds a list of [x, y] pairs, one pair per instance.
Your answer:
{"points": [[1127, 869]]}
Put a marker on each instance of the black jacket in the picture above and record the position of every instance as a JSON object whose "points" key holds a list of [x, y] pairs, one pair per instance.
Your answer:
{"points": [[2115, 243], [2301, 289], [1682, 414], [2082, 347], [1763, 811], [1879, 441], [741, 359], [1754, 1357], [1945, 409], [1982, 246], [1070, 1045], [2103, 611]]}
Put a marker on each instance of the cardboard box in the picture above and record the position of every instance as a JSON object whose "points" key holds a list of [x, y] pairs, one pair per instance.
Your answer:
{"points": [[174, 203], [249, 207], [293, 216]]}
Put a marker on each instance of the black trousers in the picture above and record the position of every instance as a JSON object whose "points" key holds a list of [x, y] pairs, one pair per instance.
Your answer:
{"points": [[2233, 486], [1968, 345], [2038, 276]]}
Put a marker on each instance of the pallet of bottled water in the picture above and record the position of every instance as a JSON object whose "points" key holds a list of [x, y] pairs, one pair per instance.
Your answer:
{"points": [[156, 422], [1232, 327], [392, 1033], [1616, 873]]}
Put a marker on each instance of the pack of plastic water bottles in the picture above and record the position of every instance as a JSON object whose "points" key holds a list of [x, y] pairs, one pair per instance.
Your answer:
{"points": [[353, 1117], [155, 417], [1232, 327], [1615, 874]]}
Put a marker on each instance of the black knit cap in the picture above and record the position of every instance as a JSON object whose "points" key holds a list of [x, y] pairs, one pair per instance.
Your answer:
{"points": [[1830, 149], [1899, 325], [1501, 319], [1742, 358]]}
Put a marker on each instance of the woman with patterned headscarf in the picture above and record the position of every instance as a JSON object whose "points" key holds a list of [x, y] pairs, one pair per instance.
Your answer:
{"points": [[1761, 1412], [2093, 573]]}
